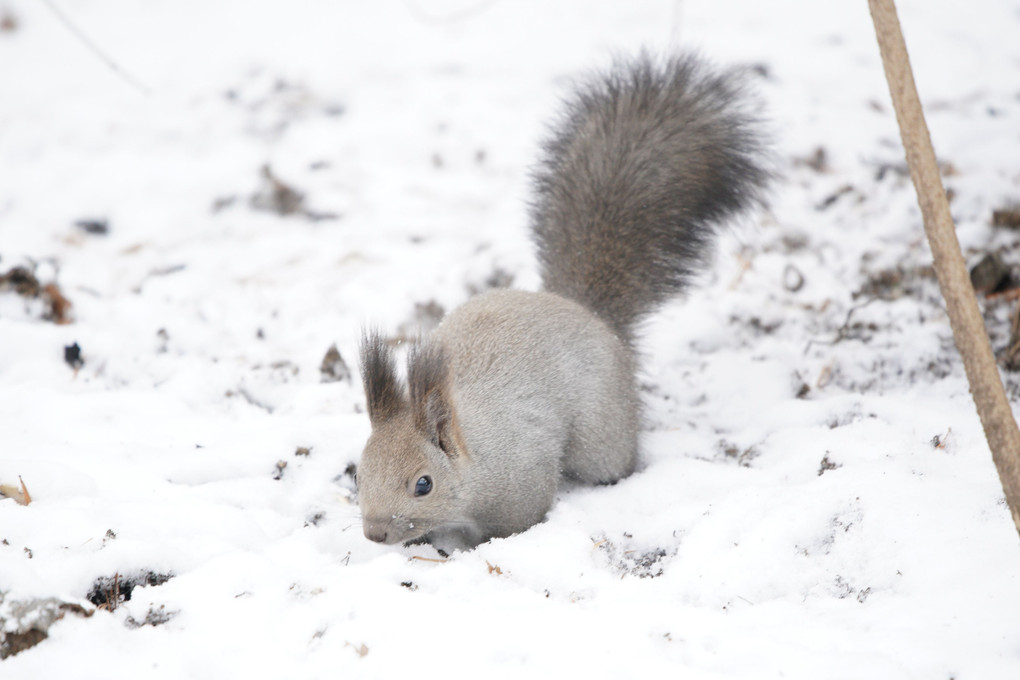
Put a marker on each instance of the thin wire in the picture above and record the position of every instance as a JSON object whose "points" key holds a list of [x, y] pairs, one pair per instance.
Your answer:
{"points": [[95, 49]]}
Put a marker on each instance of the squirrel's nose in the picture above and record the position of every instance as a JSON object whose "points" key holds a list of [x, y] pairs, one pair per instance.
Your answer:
{"points": [[375, 533]]}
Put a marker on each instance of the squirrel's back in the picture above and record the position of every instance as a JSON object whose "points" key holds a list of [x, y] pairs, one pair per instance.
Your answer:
{"points": [[645, 164]]}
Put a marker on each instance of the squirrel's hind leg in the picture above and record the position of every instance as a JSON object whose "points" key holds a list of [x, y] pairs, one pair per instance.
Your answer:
{"points": [[603, 443]]}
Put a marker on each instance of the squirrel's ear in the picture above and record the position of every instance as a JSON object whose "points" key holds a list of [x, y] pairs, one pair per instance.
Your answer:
{"points": [[434, 415], [383, 393]]}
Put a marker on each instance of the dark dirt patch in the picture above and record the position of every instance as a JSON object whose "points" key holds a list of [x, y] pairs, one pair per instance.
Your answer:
{"points": [[827, 465], [817, 161], [73, 357], [348, 479], [27, 623], [896, 282], [154, 617], [499, 278], [424, 319], [642, 563], [757, 326], [831, 199], [1009, 356], [278, 197], [991, 275], [108, 592], [742, 456], [22, 281], [333, 367], [1007, 218], [95, 227], [9, 22]]}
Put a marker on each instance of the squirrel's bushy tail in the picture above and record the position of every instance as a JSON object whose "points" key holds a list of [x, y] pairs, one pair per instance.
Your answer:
{"points": [[647, 161]]}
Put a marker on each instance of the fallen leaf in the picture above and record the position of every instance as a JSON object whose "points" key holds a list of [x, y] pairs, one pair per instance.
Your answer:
{"points": [[19, 495]]}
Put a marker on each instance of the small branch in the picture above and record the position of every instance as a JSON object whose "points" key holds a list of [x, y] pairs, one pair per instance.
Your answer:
{"points": [[95, 49], [964, 316]]}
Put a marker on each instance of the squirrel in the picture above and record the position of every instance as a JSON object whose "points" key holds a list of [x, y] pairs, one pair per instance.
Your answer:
{"points": [[514, 389]]}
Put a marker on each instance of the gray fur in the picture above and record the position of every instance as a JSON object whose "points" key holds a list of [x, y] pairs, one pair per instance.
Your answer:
{"points": [[383, 394], [636, 178], [427, 381], [516, 389]]}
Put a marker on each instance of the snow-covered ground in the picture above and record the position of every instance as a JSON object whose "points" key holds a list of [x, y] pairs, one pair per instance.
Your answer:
{"points": [[816, 499]]}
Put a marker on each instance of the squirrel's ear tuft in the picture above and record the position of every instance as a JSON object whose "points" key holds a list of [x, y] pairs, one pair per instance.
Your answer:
{"points": [[383, 393], [434, 416]]}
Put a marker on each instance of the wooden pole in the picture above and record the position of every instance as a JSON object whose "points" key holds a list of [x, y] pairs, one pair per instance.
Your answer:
{"points": [[964, 316]]}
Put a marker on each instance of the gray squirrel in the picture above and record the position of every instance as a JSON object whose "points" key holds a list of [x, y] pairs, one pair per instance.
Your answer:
{"points": [[516, 389]]}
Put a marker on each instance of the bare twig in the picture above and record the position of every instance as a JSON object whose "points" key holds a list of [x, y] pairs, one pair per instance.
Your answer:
{"points": [[95, 49], [964, 316]]}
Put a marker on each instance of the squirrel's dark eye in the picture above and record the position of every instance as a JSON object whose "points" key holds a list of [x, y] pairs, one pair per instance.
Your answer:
{"points": [[423, 486]]}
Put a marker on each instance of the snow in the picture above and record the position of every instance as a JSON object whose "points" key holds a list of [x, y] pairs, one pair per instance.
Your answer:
{"points": [[794, 515]]}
